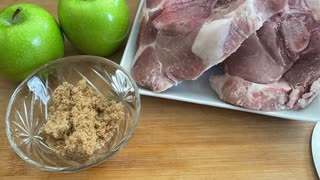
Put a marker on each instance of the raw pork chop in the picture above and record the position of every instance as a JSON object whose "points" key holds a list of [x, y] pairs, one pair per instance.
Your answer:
{"points": [[180, 39], [266, 58], [266, 55], [298, 88], [304, 77], [237, 91]]}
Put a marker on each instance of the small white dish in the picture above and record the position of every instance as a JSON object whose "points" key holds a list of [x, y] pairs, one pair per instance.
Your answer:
{"points": [[199, 91]]}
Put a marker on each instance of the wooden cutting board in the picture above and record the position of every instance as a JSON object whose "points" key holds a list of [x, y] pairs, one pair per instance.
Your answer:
{"points": [[177, 140]]}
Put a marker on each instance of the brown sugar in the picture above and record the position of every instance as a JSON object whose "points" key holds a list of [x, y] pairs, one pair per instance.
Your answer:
{"points": [[80, 121]]}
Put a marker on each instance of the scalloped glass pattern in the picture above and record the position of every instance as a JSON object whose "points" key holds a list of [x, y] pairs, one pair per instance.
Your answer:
{"points": [[28, 108]]}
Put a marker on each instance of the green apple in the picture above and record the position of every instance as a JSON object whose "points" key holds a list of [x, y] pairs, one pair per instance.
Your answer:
{"points": [[29, 38], [95, 27]]}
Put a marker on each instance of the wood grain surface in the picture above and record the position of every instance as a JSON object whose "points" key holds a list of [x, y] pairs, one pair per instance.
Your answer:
{"points": [[177, 140]]}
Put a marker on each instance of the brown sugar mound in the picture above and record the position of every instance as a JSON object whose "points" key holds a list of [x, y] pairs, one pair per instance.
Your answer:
{"points": [[80, 121]]}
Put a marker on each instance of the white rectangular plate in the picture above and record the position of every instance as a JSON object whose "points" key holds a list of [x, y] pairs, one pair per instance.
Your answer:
{"points": [[199, 91]]}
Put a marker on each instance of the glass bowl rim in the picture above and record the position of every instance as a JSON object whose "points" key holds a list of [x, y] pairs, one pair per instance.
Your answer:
{"points": [[122, 143]]}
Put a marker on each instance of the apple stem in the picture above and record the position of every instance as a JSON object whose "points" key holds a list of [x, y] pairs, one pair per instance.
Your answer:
{"points": [[14, 16]]}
